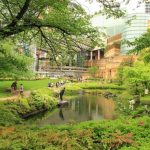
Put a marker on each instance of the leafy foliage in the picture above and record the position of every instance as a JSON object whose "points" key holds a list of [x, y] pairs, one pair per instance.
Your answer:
{"points": [[12, 63], [12, 111], [39, 101], [118, 139], [138, 76], [142, 46], [106, 135], [142, 42], [43, 22]]}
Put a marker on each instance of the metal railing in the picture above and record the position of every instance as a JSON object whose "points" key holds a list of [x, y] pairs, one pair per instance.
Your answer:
{"points": [[62, 68]]}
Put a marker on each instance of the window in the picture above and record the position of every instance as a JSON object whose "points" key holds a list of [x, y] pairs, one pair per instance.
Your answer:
{"points": [[147, 7]]}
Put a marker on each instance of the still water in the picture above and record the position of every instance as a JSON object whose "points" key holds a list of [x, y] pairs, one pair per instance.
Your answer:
{"points": [[81, 108]]}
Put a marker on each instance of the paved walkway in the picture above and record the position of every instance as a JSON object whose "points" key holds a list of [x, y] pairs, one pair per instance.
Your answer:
{"points": [[15, 97]]}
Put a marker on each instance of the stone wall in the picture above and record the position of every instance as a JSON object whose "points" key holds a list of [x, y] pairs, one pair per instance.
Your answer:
{"points": [[109, 64]]}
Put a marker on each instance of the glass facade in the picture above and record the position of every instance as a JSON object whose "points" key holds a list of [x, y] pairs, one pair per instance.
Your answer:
{"points": [[147, 7], [113, 30], [136, 25]]}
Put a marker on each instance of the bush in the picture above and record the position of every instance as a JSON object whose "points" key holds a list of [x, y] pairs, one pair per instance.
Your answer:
{"points": [[42, 101], [11, 111], [8, 118]]}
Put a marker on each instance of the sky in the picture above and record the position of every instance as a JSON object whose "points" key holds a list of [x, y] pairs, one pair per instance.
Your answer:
{"points": [[91, 8]]}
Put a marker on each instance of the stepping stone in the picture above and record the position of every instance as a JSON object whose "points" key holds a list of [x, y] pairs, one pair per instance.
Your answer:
{"points": [[62, 103]]}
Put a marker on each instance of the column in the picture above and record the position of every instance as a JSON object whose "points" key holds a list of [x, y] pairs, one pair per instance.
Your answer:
{"points": [[99, 55], [91, 55]]}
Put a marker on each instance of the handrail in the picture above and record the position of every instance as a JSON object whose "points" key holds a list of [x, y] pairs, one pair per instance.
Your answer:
{"points": [[65, 68]]}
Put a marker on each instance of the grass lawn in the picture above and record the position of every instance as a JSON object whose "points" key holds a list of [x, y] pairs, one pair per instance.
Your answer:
{"points": [[37, 84], [28, 85], [145, 99]]}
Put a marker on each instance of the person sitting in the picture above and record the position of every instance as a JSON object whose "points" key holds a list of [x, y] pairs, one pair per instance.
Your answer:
{"points": [[62, 93]]}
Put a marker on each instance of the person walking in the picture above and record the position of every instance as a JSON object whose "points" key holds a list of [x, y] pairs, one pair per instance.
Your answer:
{"points": [[14, 87]]}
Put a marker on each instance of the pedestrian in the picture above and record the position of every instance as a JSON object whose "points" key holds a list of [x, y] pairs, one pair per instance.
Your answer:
{"points": [[62, 93], [21, 89], [14, 87], [49, 84], [57, 84]]}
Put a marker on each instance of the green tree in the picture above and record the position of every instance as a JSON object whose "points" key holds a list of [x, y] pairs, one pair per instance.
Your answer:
{"points": [[142, 46], [137, 77], [120, 71], [13, 64]]}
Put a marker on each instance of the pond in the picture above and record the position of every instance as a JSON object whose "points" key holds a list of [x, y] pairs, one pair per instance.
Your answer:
{"points": [[81, 108]]}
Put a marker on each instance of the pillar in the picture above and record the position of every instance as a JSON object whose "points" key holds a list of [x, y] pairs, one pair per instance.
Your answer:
{"points": [[91, 55], [99, 55]]}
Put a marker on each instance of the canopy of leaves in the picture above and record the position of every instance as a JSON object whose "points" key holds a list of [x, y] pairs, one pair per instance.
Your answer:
{"points": [[13, 64], [142, 46], [142, 42], [136, 76], [138, 73], [60, 21]]}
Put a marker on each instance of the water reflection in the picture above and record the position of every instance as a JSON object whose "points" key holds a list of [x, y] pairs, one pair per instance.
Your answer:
{"points": [[82, 108], [61, 113]]}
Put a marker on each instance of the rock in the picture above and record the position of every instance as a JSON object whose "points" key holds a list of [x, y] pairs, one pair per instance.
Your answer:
{"points": [[62, 103], [109, 95]]}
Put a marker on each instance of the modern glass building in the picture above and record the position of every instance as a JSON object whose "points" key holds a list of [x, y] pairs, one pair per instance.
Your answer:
{"points": [[136, 25]]}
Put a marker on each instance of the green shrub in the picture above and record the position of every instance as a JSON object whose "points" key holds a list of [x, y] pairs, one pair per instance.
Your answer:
{"points": [[120, 134], [40, 101], [8, 118], [11, 111]]}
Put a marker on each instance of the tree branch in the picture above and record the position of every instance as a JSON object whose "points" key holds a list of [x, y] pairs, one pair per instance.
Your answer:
{"points": [[20, 14]]}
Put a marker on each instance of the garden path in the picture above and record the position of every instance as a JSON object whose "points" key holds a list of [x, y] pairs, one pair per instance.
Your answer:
{"points": [[15, 97]]}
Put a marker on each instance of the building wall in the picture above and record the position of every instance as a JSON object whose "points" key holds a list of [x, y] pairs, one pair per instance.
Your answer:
{"points": [[112, 59], [136, 26], [108, 66], [115, 53], [113, 46]]}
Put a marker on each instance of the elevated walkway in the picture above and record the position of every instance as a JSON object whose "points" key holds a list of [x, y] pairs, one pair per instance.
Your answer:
{"points": [[57, 71]]}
